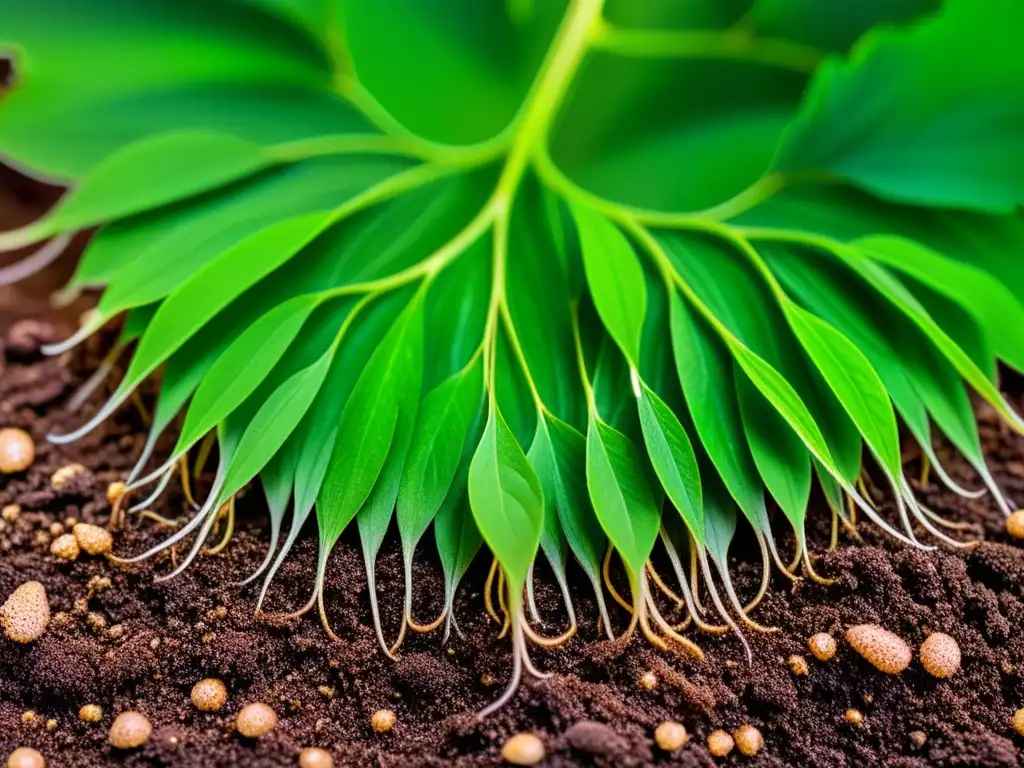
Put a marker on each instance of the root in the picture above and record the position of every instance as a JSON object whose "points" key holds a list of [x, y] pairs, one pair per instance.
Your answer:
{"points": [[186, 484], [275, 533], [766, 524], [488, 586], [520, 660], [706, 569], [531, 601], [229, 531], [925, 467], [833, 539], [924, 521], [204, 453], [660, 583], [501, 604], [648, 605], [809, 567], [765, 575], [371, 583], [606, 573], [691, 605], [425, 628], [321, 572], [157, 492], [695, 584], [147, 513], [602, 608], [35, 262], [144, 414], [84, 392]]}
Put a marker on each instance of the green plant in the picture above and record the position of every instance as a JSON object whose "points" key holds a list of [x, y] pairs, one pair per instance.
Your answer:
{"points": [[524, 269]]}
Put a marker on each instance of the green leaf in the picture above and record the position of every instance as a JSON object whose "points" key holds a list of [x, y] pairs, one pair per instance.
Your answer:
{"points": [[150, 173], [242, 366], [368, 424], [442, 428], [458, 540], [893, 120], [615, 278], [212, 289], [672, 457], [632, 123], [905, 301], [622, 498], [986, 298], [572, 503], [552, 541], [834, 25], [705, 373], [453, 71], [779, 452], [273, 423], [855, 383], [506, 498], [154, 253]]}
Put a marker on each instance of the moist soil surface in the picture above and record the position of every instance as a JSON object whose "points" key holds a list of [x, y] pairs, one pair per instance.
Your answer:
{"points": [[137, 644]]}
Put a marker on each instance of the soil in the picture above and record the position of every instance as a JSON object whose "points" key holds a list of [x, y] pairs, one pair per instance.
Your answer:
{"points": [[136, 644]]}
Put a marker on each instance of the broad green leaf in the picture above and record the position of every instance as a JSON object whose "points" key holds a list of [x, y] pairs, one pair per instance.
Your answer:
{"points": [[134, 52], [896, 120], [742, 300], [855, 383], [273, 424], [552, 541], [507, 501], [442, 428], [513, 396], [368, 424], [622, 498], [905, 301], [981, 294], [833, 25], [705, 373], [454, 71], [672, 457], [154, 253], [779, 452], [632, 123], [615, 278], [211, 289], [538, 296], [572, 503], [150, 173], [720, 513], [242, 366]]}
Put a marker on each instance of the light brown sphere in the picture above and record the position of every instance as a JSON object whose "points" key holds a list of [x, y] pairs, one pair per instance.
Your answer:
{"points": [[670, 736], [918, 739], [115, 492], [90, 713], [1015, 524], [383, 720], [720, 743], [648, 680], [130, 730], [26, 613], [65, 547], [822, 645], [256, 719], [17, 450], [749, 740], [940, 655], [523, 749], [11, 513], [314, 757], [798, 665], [26, 757], [1018, 722], [60, 479], [93, 539], [854, 717], [209, 695], [887, 652]]}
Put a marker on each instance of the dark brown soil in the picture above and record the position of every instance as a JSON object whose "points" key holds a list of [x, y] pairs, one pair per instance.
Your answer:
{"points": [[592, 711]]}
